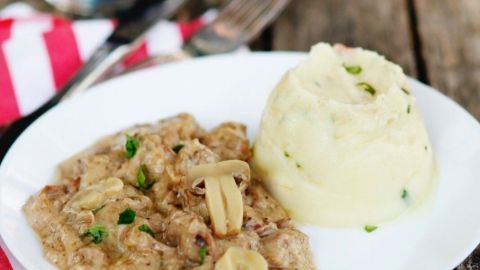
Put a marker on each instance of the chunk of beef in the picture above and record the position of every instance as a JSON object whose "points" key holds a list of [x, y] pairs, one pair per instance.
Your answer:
{"points": [[287, 249], [192, 154], [229, 141], [174, 130], [245, 239], [154, 158], [189, 233], [265, 206]]}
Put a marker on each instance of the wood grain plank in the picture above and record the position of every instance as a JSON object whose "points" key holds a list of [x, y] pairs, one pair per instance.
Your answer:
{"points": [[450, 36], [4, 2], [382, 26]]}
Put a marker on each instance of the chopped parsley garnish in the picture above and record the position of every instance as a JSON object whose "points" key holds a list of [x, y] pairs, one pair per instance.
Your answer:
{"points": [[332, 118], [286, 154], [298, 165], [97, 233], [404, 194], [353, 69], [141, 177], [146, 229], [367, 88], [131, 146], [405, 91], [127, 216], [177, 148], [426, 148], [409, 108], [370, 228], [203, 253]]}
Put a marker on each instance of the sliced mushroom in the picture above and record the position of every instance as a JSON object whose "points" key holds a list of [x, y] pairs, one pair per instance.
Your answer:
{"points": [[92, 197], [228, 167], [234, 204], [223, 197], [239, 258], [216, 205]]}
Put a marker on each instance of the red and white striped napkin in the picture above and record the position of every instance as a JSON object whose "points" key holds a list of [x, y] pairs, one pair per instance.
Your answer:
{"points": [[40, 52]]}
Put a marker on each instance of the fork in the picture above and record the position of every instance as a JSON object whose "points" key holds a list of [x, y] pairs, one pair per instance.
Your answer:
{"points": [[236, 24]]}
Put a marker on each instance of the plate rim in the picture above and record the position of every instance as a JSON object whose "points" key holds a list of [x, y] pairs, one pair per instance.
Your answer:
{"points": [[153, 70]]}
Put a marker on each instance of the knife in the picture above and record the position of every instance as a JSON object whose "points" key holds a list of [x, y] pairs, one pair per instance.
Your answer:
{"points": [[132, 25]]}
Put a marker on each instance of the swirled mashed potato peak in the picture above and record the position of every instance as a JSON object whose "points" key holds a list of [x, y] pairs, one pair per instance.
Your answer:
{"points": [[342, 142]]}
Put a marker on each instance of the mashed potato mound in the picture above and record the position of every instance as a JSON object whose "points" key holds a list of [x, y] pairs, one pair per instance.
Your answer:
{"points": [[342, 142]]}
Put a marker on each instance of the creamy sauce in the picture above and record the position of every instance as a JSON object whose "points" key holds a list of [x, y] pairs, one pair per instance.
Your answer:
{"points": [[338, 147], [169, 196]]}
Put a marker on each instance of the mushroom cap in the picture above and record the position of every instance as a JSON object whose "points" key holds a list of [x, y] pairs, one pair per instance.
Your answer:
{"points": [[227, 167]]}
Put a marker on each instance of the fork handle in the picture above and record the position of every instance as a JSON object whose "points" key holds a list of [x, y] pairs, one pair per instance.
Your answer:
{"points": [[101, 60]]}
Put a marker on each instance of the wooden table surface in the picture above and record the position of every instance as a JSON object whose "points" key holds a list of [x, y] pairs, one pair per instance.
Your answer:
{"points": [[435, 41]]}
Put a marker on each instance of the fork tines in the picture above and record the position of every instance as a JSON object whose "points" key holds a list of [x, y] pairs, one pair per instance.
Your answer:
{"points": [[250, 16]]}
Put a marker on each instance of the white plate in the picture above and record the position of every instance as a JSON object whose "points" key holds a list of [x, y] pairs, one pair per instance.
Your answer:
{"points": [[224, 88]]}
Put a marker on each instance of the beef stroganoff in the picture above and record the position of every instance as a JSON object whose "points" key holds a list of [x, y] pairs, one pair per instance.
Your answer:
{"points": [[165, 196]]}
